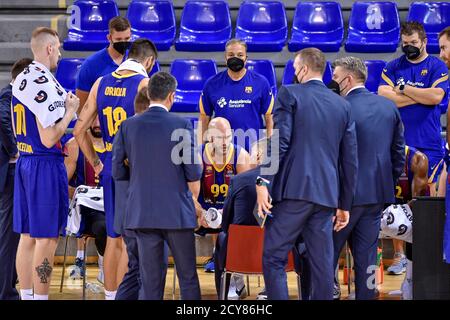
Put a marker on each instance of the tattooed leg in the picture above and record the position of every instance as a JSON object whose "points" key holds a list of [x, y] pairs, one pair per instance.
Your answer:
{"points": [[43, 265], [44, 271]]}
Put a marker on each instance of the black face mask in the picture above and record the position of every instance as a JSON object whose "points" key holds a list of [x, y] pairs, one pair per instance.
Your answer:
{"points": [[411, 52], [121, 46], [334, 86], [235, 64]]}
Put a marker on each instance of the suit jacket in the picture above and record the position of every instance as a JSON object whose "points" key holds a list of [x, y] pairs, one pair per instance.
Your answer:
{"points": [[241, 200], [317, 146], [8, 146], [158, 194], [381, 146]]}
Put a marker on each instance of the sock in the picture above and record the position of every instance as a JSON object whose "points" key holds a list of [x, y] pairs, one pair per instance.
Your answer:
{"points": [[40, 297], [80, 254], [100, 261], [110, 295], [26, 294]]}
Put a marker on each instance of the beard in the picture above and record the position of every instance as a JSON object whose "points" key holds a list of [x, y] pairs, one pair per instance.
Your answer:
{"points": [[96, 132]]}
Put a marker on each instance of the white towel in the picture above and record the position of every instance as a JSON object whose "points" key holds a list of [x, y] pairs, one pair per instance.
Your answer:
{"points": [[38, 90], [133, 65], [91, 197], [396, 222]]}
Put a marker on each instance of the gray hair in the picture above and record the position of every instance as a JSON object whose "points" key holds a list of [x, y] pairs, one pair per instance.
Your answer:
{"points": [[161, 84], [353, 65], [236, 41]]}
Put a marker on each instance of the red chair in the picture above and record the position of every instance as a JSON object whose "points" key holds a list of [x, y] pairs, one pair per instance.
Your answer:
{"points": [[244, 255]]}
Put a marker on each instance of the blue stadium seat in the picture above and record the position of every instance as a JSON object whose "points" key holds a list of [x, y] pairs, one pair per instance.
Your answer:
{"points": [[204, 26], [155, 69], [154, 20], [373, 27], [89, 25], [67, 73], [317, 24], [191, 76], [265, 68], [288, 74], [434, 16], [374, 69], [262, 25]]}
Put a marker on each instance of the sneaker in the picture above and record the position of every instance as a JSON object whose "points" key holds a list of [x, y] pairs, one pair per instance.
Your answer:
{"points": [[336, 292], [209, 265], [77, 270], [262, 295], [398, 267]]}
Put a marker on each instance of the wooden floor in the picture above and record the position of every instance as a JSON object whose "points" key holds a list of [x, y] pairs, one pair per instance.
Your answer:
{"points": [[72, 288]]}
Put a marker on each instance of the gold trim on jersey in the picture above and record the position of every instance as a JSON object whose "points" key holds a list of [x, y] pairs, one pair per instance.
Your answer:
{"points": [[430, 179], [200, 105], [99, 150], [439, 81], [269, 111], [211, 160], [386, 78], [118, 76]]}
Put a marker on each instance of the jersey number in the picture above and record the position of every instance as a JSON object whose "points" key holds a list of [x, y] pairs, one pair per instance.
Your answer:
{"points": [[21, 127], [114, 118], [399, 192], [216, 190]]}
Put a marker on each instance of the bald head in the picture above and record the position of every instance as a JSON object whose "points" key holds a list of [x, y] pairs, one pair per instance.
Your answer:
{"points": [[45, 46], [220, 134]]}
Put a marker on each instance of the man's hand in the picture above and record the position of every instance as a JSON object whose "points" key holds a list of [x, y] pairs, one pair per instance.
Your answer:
{"points": [[264, 204], [397, 89], [72, 102], [341, 219], [202, 221]]}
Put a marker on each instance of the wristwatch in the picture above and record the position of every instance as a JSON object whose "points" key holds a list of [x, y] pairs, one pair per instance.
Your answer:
{"points": [[262, 182], [401, 88]]}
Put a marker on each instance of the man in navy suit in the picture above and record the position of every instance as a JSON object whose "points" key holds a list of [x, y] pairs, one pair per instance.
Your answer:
{"points": [[8, 157], [317, 157], [156, 153], [381, 158]]}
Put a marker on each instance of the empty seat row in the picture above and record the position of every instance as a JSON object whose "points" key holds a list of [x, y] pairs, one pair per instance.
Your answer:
{"points": [[192, 75], [206, 25]]}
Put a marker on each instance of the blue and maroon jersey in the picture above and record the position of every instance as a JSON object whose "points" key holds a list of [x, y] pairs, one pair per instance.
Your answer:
{"points": [[84, 173], [215, 180]]}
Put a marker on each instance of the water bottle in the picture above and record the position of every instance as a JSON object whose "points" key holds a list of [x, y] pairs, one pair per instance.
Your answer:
{"points": [[213, 217]]}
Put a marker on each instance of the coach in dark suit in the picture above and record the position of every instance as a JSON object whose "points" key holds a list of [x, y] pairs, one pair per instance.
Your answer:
{"points": [[163, 166], [318, 163], [8, 156], [381, 157]]}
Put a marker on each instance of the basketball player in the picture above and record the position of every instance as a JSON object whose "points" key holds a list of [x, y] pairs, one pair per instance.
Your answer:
{"points": [[222, 159], [80, 172], [42, 111], [112, 98]]}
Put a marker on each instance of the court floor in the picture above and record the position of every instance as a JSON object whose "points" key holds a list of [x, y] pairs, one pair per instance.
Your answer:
{"points": [[73, 288]]}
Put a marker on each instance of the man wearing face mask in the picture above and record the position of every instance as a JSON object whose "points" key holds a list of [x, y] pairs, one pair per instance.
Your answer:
{"points": [[42, 111], [106, 60], [239, 95], [112, 99], [317, 175], [380, 164], [417, 83]]}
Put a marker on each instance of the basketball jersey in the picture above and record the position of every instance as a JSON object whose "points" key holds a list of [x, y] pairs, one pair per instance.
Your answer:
{"points": [[84, 172], [215, 181], [115, 103], [27, 133], [403, 190]]}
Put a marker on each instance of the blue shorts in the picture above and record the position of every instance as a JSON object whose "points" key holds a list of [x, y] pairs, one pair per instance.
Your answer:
{"points": [[435, 164], [109, 191], [41, 199]]}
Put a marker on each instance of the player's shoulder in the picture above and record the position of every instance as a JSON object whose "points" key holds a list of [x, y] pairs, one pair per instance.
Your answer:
{"points": [[216, 80], [96, 58], [436, 62], [395, 63]]}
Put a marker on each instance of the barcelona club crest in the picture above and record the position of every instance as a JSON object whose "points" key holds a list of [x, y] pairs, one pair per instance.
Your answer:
{"points": [[248, 90], [424, 72]]}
